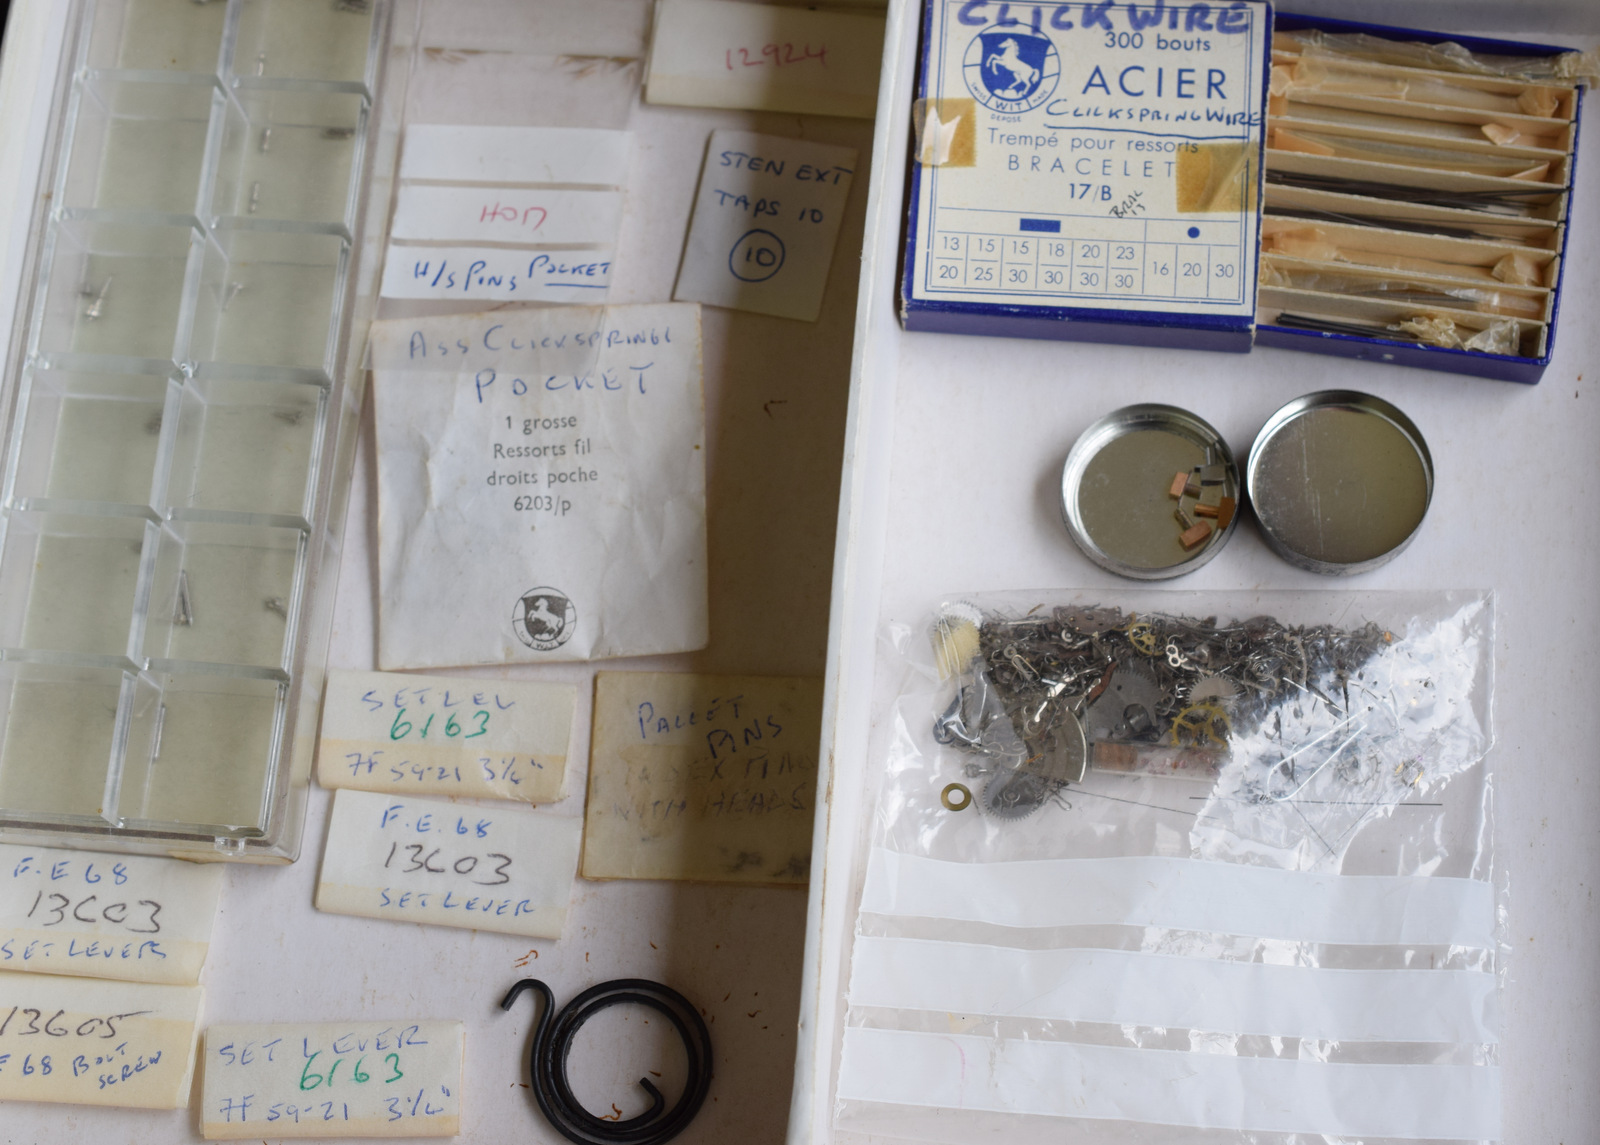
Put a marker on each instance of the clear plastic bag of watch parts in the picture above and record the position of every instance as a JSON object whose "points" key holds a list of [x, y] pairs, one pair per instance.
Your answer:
{"points": [[1181, 867]]}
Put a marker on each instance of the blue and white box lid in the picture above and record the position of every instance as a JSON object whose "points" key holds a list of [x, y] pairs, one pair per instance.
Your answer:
{"points": [[1089, 170]]}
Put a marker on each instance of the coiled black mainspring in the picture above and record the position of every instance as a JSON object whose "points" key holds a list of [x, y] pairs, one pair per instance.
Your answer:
{"points": [[552, 1043]]}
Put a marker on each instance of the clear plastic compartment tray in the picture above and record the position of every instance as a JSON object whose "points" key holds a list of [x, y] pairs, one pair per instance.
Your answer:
{"points": [[180, 409]]}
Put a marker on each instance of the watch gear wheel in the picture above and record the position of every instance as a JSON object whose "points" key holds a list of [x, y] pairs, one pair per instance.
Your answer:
{"points": [[1142, 637], [1204, 724], [1126, 710], [1214, 689], [1014, 794]]}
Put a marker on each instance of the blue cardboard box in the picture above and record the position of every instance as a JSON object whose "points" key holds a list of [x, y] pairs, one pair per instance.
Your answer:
{"points": [[1094, 170], [1101, 175]]}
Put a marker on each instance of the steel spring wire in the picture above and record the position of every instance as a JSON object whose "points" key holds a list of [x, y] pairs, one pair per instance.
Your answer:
{"points": [[552, 1044]]}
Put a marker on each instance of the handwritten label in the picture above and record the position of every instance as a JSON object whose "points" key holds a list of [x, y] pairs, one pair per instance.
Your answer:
{"points": [[502, 167], [464, 153], [541, 485], [488, 273], [332, 1079], [765, 224], [105, 916], [775, 55], [711, 778], [439, 735], [415, 860], [85, 1042], [507, 215], [714, 53]]}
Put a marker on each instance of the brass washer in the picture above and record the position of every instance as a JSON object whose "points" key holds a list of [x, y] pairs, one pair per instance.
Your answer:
{"points": [[956, 797]]}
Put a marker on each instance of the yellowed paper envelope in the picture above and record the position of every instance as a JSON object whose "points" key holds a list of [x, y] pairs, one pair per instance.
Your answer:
{"points": [[710, 778]]}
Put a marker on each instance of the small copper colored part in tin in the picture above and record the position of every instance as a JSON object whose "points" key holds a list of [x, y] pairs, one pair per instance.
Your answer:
{"points": [[1192, 537], [1179, 484]]}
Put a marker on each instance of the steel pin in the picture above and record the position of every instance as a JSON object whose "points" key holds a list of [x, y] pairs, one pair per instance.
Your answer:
{"points": [[185, 614], [97, 307]]}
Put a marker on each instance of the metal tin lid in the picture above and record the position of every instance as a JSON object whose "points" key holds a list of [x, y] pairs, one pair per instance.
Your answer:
{"points": [[1340, 481], [1150, 491]]}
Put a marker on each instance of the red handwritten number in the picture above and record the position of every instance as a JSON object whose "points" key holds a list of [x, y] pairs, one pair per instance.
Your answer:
{"points": [[777, 55], [505, 213]]}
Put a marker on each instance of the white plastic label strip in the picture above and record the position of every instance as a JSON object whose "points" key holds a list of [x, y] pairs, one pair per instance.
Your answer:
{"points": [[1186, 894], [462, 153], [1125, 987], [506, 215], [764, 57], [1202, 1090], [471, 272]]}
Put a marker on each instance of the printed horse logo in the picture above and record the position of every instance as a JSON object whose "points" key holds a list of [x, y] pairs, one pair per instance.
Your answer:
{"points": [[544, 618], [1011, 66], [1009, 59]]}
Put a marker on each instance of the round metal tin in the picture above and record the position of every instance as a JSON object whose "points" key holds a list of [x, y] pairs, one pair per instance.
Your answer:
{"points": [[1340, 481], [1117, 491]]}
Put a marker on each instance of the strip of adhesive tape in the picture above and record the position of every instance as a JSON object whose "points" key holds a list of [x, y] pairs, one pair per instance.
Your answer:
{"points": [[946, 132]]}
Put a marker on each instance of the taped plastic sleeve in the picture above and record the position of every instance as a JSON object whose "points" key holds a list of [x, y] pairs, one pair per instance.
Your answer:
{"points": [[1186, 894]]}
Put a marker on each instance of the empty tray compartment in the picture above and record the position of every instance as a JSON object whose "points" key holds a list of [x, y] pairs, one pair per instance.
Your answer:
{"points": [[269, 299], [60, 752], [74, 584], [246, 447], [159, 35], [117, 288], [304, 39], [288, 155], [223, 594], [140, 144], [210, 765], [90, 437]]}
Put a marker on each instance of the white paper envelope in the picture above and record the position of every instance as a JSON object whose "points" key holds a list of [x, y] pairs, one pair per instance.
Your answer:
{"points": [[541, 485]]}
